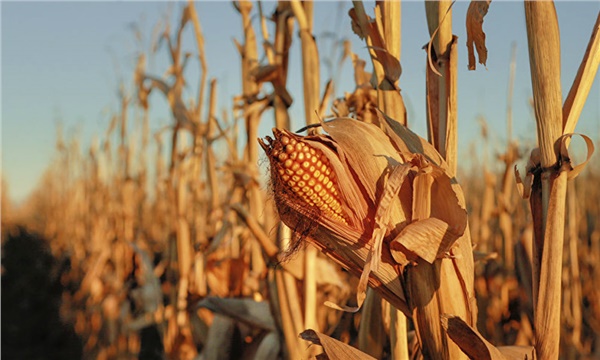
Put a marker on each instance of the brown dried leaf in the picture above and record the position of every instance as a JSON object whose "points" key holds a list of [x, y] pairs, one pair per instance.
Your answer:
{"points": [[264, 73], [469, 339], [356, 24], [270, 347], [253, 313], [219, 341], [334, 349], [185, 16], [390, 64], [365, 27], [475, 35]]}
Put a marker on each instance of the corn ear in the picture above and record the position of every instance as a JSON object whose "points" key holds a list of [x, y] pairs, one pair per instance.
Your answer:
{"points": [[399, 209]]}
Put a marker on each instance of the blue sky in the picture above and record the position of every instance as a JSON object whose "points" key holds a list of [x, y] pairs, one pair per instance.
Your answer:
{"points": [[64, 60]]}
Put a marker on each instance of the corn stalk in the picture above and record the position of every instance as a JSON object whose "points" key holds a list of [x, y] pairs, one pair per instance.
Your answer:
{"points": [[441, 80], [549, 188], [551, 165]]}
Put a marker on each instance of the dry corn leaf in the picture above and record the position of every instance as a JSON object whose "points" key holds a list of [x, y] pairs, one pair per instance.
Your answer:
{"points": [[253, 313], [334, 349], [185, 16], [583, 81], [533, 166], [219, 341], [274, 74], [269, 348], [469, 339], [376, 152], [365, 27], [477, 347], [357, 27], [265, 73], [475, 35]]}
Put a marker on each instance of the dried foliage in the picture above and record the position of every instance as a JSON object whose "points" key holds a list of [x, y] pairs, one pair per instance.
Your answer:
{"points": [[172, 246], [475, 35]]}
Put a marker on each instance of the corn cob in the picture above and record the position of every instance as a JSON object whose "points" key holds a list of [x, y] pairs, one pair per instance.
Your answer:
{"points": [[305, 171]]}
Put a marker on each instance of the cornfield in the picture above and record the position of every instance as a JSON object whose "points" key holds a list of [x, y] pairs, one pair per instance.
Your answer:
{"points": [[351, 238]]}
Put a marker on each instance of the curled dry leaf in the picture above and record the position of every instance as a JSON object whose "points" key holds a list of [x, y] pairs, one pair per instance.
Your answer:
{"points": [[475, 35], [351, 192], [334, 349], [573, 171]]}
